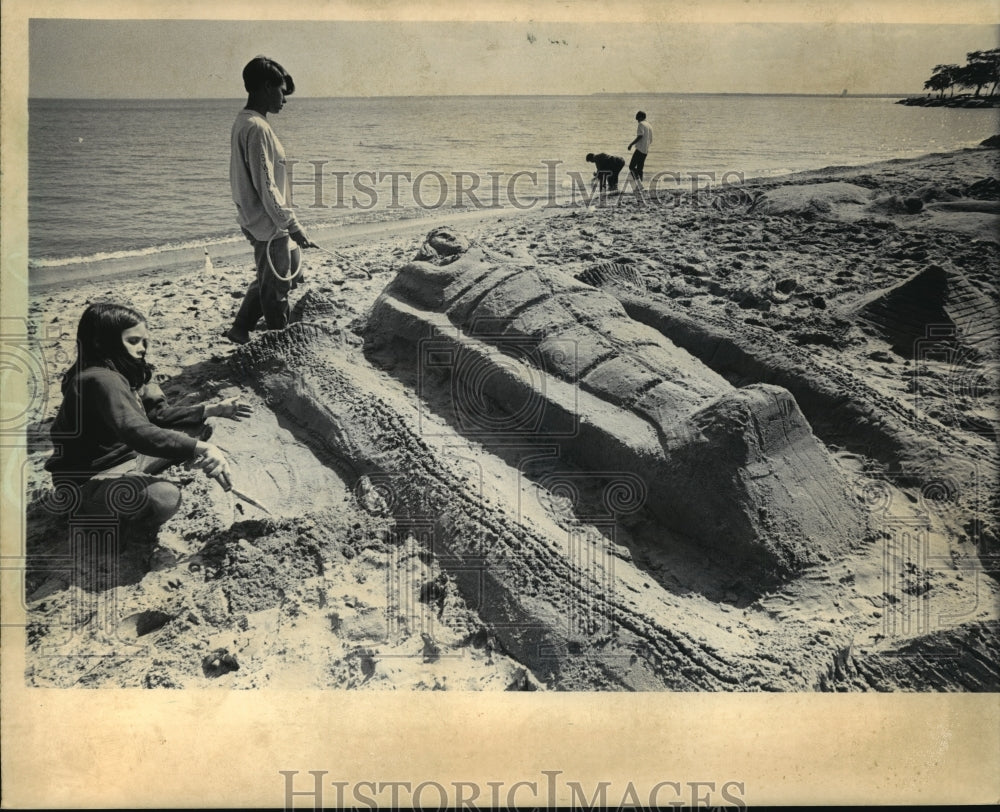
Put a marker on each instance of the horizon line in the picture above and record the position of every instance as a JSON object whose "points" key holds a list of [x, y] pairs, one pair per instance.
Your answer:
{"points": [[495, 95]]}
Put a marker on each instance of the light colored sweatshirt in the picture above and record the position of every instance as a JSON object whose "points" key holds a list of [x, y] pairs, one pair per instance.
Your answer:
{"points": [[258, 178]]}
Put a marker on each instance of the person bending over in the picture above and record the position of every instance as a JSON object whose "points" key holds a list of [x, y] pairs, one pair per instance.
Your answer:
{"points": [[608, 167]]}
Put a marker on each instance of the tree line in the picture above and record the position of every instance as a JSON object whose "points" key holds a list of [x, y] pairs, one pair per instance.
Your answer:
{"points": [[982, 68]]}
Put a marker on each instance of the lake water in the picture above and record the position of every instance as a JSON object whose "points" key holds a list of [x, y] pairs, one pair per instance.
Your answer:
{"points": [[114, 178]]}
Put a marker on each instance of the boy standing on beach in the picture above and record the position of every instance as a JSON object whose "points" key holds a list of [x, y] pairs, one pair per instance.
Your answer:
{"points": [[259, 186], [642, 142]]}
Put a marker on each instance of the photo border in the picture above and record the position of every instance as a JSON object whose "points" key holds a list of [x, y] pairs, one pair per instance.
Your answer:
{"points": [[211, 748]]}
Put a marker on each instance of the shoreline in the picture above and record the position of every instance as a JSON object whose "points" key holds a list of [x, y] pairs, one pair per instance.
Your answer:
{"points": [[189, 258], [953, 102], [153, 261]]}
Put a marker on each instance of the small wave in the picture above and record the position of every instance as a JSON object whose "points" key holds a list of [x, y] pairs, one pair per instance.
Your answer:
{"points": [[104, 256]]}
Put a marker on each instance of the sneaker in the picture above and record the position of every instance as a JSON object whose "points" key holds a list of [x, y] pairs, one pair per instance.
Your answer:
{"points": [[237, 335]]}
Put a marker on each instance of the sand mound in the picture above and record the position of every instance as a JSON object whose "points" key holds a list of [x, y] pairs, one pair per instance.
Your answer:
{"points": [[810, 200], [933, 304], [977, 206], [917, 664]]}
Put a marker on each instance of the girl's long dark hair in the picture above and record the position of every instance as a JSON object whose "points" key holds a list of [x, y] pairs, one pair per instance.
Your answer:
{"points": [[99, 343]]}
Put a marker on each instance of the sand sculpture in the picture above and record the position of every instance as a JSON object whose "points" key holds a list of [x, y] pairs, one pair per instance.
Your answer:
{"points": [[737, 470], [569, 618]]}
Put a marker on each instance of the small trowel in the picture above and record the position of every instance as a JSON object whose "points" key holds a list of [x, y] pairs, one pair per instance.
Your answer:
{"points": [[249, 500]]}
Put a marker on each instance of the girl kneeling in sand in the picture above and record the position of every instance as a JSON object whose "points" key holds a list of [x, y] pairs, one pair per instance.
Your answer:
{"points": [[110, 436]]}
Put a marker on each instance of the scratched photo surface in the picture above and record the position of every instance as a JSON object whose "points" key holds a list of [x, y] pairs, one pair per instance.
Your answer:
{"points": [[651, 351]]}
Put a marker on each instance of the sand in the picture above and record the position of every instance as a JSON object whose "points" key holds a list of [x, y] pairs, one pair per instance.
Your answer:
{"points": [[817, 283]]}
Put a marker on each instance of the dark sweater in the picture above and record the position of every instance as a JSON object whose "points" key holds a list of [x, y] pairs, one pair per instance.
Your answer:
{"points": [[608, 163], [102, 422]]}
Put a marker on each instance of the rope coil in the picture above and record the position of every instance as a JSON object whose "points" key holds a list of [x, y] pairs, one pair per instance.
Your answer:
{"points": [[274, 270], [296, 272]]}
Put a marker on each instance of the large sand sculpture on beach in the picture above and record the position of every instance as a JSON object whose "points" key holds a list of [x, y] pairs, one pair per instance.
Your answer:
{"points": [[752, 450], [738, 470]]}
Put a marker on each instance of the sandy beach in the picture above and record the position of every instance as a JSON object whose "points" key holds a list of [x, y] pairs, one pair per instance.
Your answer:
{"points": [[869, 293]]}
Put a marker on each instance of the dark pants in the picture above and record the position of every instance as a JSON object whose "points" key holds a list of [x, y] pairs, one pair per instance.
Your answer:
{"points": [[636, 164], [133, 497], [608, 178], [114, 527], [267, 295], [129, 492]]}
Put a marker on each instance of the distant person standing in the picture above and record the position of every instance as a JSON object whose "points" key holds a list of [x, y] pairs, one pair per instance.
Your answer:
{"points": [[642, 142], [260, 191], [608, 168]]}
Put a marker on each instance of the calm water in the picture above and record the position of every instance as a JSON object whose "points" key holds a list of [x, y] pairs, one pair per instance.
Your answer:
{"points": [[120, 177]]}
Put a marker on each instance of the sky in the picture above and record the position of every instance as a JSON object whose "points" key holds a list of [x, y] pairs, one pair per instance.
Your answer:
{"points": [[69, 58]]}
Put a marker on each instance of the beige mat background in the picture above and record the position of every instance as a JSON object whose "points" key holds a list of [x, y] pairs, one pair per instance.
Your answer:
{"points": [[214, 748]]}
